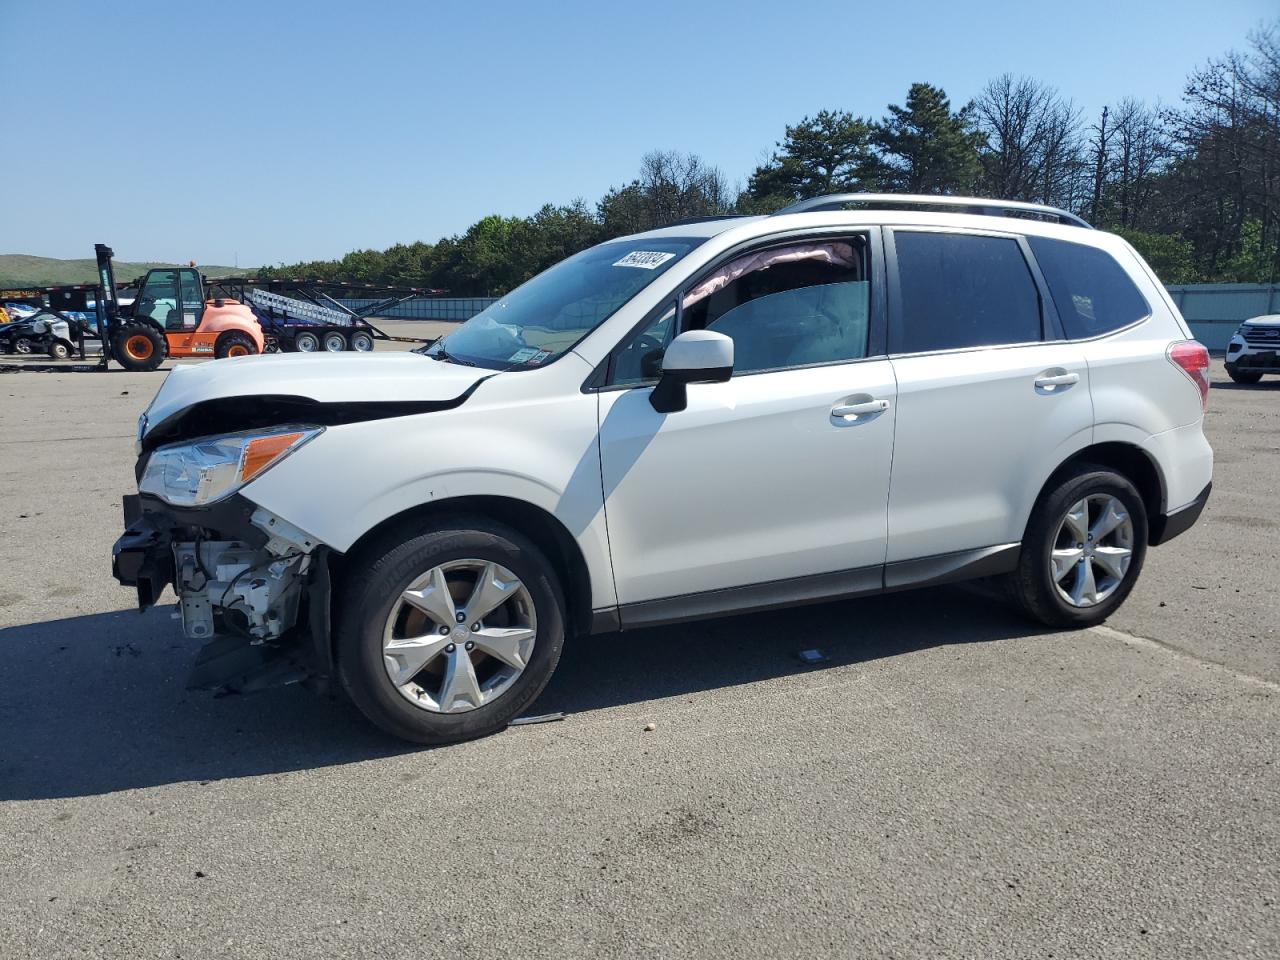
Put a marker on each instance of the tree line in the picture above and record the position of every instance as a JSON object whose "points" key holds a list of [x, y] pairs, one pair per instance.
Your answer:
{"points": [[1194, 187]]}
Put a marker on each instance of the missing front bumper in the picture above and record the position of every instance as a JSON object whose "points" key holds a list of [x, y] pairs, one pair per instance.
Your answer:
{"points": [[252, 587]]}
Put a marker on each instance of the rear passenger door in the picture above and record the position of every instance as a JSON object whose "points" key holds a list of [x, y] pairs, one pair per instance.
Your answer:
{"points": [[990, 397]]}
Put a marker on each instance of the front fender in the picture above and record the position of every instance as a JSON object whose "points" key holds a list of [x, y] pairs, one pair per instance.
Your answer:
{"points": [[356, 476]]}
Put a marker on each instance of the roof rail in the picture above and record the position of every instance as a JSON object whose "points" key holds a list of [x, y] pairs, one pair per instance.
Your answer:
{"points": [[907, 201]]}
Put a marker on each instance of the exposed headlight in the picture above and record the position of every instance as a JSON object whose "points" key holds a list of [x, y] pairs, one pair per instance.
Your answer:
{"points": [[213, 468], [142, 432]]}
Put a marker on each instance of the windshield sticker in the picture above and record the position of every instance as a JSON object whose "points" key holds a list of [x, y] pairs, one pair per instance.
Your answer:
{"points": [[523, 355], [644, 259]]}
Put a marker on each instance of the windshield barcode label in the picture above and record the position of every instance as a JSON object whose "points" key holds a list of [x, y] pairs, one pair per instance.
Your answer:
{"points": [[644, 259]]}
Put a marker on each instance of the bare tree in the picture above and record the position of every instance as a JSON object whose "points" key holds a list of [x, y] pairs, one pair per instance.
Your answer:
{"points": [[679, 185], [672, 186], [1141, 149], [1099, 152], [1227, 137], [1032, 145]]}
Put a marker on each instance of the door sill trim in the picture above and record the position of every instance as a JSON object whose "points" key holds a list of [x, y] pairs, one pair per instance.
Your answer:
{"points": [[818, 588]]}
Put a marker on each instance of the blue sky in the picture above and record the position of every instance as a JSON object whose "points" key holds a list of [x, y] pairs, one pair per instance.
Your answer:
{"points": [[268, 131]]}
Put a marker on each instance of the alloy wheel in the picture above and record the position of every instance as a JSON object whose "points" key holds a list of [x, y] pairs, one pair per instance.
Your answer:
{"points": [[1092, 550], [459, 636]]}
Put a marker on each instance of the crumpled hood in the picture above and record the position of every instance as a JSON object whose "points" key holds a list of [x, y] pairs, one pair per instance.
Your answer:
{"points": [[322, 377]]}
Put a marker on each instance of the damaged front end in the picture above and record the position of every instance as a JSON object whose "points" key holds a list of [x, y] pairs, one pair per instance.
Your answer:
{"points": [[253, 587]]}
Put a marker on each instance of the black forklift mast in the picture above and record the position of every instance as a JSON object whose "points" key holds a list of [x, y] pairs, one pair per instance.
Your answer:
{"points": [[108, 305]]}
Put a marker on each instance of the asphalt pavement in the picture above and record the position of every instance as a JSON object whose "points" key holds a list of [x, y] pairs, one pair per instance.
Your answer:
{"points": [[951, 783]]}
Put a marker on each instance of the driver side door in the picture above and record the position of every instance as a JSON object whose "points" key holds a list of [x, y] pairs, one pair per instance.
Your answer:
{"points": [[760, 492]]}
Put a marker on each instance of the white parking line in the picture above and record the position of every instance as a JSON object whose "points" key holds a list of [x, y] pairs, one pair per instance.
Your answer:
{"points": [[1182, 654]]}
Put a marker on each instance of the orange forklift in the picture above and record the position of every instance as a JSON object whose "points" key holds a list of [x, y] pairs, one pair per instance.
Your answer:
{"points": [[172, 318], [173, 315]]}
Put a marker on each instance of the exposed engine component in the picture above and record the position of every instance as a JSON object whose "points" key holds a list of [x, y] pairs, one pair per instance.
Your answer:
{"points": [[227, 586]]}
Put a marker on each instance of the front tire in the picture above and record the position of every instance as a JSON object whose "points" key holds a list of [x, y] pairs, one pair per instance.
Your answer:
{"points": [[1083, 550], [59, 350], [140, 347], [450, 634]]}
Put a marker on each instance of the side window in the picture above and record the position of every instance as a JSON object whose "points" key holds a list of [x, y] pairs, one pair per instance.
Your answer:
{"points": [[787, 306], [1092, 292], [784, 306], [639, 360], [960, 290], [158, 298]]}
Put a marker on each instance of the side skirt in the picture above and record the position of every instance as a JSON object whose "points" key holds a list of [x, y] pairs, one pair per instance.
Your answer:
{"points": [[820, 588]]}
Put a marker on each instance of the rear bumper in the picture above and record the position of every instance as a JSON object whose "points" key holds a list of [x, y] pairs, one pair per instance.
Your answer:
{"points": [[1167, 526], [1266, 362]]}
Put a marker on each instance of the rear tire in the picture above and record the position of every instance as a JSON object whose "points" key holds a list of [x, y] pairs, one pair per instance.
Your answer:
{"points": [[372, 613], [1243, 376], [140, 347], [306, 342], [234, 344], [361, 342], [335, 342], [22, 345], [1067, 570]]}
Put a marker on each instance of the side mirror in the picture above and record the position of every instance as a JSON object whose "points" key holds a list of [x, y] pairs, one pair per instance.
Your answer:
{"points": [[696, 356]]}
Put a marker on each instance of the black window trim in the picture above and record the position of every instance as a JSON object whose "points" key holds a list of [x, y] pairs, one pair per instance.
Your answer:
{"points": [[1051, 330], [877, 326], [1108, 333]]}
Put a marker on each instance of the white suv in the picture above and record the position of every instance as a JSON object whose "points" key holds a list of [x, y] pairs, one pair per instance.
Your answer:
{"points": [[718, 417], [1254, 349]]}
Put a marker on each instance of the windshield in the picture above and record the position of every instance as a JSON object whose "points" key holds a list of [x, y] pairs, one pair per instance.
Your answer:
{"points": [[543, 318]]}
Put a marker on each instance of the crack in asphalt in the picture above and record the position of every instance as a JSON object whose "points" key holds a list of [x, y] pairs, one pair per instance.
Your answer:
{"points": [[1184, 654], [104, 436]]}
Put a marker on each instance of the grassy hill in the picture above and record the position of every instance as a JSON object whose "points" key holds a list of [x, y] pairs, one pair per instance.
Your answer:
{"points": [[20, 270]]}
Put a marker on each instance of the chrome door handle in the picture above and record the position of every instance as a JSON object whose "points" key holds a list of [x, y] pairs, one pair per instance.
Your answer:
{"points": [[849, 411], [1057, 380]]}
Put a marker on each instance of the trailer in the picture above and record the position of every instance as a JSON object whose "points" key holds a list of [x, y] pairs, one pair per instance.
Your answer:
{"points": [[311, 318]]}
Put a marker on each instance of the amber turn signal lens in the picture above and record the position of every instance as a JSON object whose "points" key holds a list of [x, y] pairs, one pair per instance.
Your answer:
{"points": [[260, 453]]}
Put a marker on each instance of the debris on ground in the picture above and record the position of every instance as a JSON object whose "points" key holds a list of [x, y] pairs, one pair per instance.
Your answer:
{"points": [[650, 727], [541, 718], [812, 657]]}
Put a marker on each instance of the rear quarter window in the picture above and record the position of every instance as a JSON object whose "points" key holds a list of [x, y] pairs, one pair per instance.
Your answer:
{"points": [[1092, 292]]}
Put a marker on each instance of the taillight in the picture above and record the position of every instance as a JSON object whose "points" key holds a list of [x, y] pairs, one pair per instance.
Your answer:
{"points": [[1192, 357]]}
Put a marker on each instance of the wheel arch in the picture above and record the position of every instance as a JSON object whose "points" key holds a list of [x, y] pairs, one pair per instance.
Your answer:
{"points": [[547, 532], [1128, 460]]}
